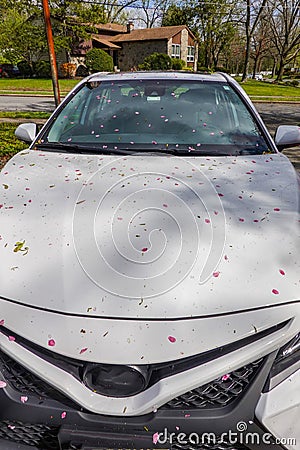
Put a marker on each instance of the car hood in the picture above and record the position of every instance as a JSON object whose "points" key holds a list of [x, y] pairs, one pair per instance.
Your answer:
{"points": [[148, 236]]}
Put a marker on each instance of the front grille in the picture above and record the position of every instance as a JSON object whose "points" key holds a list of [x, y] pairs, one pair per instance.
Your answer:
{"points": [[220, 392], [25, 382], [40, 436]]}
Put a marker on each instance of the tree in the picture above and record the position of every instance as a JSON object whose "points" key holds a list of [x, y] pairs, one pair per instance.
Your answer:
{"points": [[216, 23], [20, 38], [176, 15], [212, 22], [261, 44], [22, 34], [254, 11], [284, 16], [151, 12]]}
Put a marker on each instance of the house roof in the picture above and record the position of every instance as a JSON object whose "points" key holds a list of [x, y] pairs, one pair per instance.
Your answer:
{"points": [[105, 41], [149, 34], [111, 27]]}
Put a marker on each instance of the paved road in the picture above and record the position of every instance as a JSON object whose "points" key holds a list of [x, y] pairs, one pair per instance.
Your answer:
{"points": [[26, 103], [275, 114]]}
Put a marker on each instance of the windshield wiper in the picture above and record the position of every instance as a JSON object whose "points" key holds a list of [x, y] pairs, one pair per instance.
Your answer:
{"points": [[76, 148], [61, 146], [111, 149], [194, 152]]}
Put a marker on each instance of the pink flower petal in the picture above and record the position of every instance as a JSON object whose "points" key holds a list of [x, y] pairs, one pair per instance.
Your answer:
{"points": [[241, 219], [63, 414], [216, 274], [274, 291], [2, 322], [207, 221], [83, 350], [165, 205], [2, 384], [155, 438], [24, 398], [282, 272], [225, 377], [172, 339], [187, 415], [276, 209], [51, 342], [11, 338]]}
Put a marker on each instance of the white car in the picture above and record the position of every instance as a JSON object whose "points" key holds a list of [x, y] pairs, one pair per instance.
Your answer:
{"points": [[149, 277]]}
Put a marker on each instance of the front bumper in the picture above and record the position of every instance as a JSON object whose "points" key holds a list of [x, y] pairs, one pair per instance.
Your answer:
{"points": [[48, 420], [40, 410]]}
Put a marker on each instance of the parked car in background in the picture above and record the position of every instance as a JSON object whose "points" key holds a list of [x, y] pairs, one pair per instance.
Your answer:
{"points": [[149, 278], [8, 70], [257, 76]]}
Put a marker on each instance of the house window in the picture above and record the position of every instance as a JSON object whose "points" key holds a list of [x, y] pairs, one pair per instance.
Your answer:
{"points": [[190, 53], [175, 51]]}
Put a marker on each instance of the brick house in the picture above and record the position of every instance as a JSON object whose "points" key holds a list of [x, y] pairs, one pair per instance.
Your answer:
{"points": [[129, 47], [136, 45]]}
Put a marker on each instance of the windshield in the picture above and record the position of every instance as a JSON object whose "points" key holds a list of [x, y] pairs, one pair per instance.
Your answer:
{"points": [[158, 116]]}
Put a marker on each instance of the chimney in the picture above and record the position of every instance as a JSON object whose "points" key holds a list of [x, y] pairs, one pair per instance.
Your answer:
{"points": [[130, 27]]}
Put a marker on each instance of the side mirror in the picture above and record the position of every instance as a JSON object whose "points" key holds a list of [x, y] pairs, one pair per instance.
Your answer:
{"points": [[26, 132], [287, 136]]}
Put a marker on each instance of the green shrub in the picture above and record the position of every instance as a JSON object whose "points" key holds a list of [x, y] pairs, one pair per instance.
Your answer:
{"points": [[43, 69], [221, 69], [25, 69], [177, 64], [294, 83], [98, 60], [157, 61], [203, 69]]}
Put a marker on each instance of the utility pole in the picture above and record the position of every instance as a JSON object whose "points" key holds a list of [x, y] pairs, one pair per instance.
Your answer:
{"points": [[51, 52]]}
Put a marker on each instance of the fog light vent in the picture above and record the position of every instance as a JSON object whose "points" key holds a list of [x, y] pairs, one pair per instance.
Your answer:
{"points": [[116, 380]]}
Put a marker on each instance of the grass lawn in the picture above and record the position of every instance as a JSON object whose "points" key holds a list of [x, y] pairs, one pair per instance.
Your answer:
{"points": [[263, 91], [34, 86], [9, 144], [24, 115]]}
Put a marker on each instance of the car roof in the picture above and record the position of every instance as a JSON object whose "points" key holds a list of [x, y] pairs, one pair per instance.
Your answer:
{"points": [[159, 75]]}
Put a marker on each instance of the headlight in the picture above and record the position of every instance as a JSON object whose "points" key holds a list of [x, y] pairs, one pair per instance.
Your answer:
{"points": [[286, 362], [116, 380]]}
